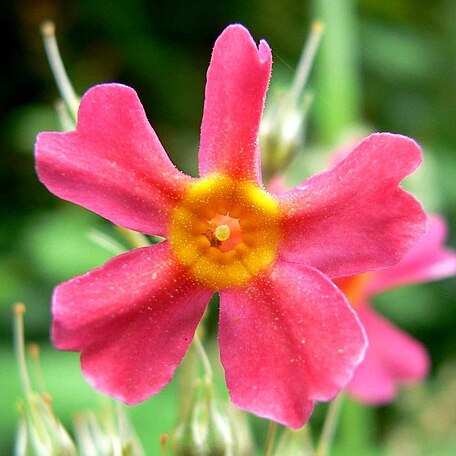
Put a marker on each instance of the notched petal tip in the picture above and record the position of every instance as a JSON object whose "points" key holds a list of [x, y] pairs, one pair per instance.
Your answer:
{"points": [[264, 52], [237, 81], [129, 396], [106, 92], [133, 320], [113, 163], [239, 35], [233, 32], [40, 144], [110, 87], [406, 151], [373, 222], [287, 340]]}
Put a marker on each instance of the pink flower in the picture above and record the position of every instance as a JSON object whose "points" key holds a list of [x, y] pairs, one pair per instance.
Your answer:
{"points": [[393, 357], [287, 335]]}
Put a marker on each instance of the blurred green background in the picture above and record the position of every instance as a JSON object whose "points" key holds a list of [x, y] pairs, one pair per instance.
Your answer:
{"points": [[384, 66]]}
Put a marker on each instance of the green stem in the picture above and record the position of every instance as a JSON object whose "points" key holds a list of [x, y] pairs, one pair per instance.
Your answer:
{"points": [[357, 427], [337, 101], [329, 426], [270, 438]]}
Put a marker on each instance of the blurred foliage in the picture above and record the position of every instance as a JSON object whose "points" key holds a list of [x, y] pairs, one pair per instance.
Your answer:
{"points": [[404, 65]]}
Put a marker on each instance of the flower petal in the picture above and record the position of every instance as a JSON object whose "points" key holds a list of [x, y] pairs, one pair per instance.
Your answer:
{"points": [[237, 81], [286, 340], [133, 320], [427, 260], [113, 163], [354, 217], [392, 358]]}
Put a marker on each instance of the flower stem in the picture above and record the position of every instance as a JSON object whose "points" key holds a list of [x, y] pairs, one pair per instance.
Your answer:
{"points": [[270, 438], [58, 70], [337, 84], [329, 426]]}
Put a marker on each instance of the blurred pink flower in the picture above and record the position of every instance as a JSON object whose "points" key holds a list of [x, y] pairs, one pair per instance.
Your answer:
{"points": [[287, 335], [393, 357]]}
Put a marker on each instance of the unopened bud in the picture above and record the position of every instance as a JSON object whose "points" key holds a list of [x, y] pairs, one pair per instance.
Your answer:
{"points": [[40, 433], [294, 443], [108, 433], [243, 438], [207, 430], [281, 137], [283, 125]]}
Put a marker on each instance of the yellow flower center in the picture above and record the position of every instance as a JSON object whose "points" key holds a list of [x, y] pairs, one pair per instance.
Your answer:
{"points": [[225, 231]]}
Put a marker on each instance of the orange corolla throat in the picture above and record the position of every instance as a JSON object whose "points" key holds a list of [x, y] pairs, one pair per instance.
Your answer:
{"points": [[354, 288], [225, 231]]}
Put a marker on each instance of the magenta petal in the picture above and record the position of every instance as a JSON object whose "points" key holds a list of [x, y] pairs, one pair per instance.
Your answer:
{"points": [[286, 340], [133, 320], [236, 86], [113, 164], [427, 260], [392, 358], [354, 217]]}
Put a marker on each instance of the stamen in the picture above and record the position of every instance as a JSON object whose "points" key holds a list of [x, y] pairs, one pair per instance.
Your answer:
{"points": [[66, 119], [58, 70], [19, 310], [34, 353], [222, 232], [306, 60]]}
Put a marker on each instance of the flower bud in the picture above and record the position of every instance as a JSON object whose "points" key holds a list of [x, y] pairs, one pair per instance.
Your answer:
{"points": [[107, 433], [243, 439], [281, 136], [40, 433], [283, 125], [206, 430], [294, 443]]}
